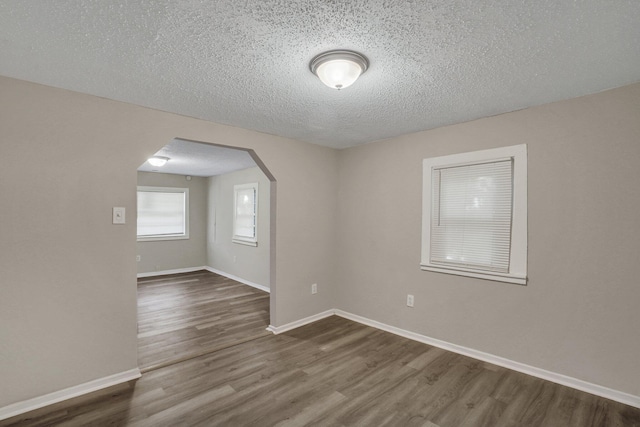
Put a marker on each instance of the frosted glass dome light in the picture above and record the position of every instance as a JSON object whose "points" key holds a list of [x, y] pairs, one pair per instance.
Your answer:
{"points": [[157, 161], [339, 68]]}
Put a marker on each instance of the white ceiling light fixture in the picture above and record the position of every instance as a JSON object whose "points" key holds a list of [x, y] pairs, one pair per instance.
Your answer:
{"points": [[157, 161], [339, 68]]}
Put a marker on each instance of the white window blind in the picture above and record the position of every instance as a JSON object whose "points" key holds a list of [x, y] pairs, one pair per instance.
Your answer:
{"points": [[162, 214], [471, 217], [245, 215], [474, 214]]}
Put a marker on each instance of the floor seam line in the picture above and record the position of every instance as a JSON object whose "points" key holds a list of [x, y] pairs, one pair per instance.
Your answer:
{"points": [[205, 352]]}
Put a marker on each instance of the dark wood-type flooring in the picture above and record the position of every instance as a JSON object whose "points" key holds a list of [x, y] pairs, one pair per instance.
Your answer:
{"points": [[186, 315], [333, 372]]}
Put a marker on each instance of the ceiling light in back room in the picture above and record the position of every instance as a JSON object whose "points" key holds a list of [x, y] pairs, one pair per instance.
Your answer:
{"points": [[339, 69], [157, 161]]}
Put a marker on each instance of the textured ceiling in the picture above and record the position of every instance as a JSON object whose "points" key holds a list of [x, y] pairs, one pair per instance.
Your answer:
{"points": [[245, 62], [197, 159]]}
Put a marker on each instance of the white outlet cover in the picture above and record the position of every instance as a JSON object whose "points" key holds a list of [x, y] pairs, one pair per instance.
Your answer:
{"points": [[410, 300]]}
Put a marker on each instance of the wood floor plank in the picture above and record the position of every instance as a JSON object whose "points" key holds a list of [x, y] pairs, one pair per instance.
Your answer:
{"points": [[487, 413], [187, 315], [333, 372]]}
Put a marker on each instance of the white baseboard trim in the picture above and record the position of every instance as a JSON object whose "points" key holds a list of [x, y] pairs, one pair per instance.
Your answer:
{"points": [[237, 279], [174, 271], [598, 390], [211, 269], [68, 393], [293, 325]]}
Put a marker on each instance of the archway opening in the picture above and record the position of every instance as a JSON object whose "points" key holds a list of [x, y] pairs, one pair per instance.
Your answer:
{"points": [[205, 250]]}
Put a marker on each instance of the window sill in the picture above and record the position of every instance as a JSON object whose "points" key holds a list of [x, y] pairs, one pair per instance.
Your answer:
{"points": [[162, 238], [244, 242], [508, 278]]}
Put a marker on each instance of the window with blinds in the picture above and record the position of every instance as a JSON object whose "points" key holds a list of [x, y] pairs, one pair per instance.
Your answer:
{"points": [[245, 217], [163, 213], [474, 214], [471, 215]]}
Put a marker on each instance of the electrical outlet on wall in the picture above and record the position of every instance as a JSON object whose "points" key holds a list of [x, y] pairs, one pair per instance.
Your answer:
{"points": [[410, 300], [138, 258], [314, 288]]}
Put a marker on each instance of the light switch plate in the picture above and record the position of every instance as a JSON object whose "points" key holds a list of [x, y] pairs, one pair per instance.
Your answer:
{"points": [[118, 215]]}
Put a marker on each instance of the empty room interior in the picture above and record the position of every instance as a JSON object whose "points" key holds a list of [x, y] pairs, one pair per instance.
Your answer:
{"points": [[356, 213]]}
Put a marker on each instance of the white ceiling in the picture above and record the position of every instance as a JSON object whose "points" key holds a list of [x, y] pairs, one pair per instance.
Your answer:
{"points": [[245, 63], [198, 159]]}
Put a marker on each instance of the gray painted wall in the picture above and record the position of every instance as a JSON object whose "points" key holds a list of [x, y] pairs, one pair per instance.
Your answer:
{"points": [[176, 254], [247, 262], [579, 314], [68, 294]]}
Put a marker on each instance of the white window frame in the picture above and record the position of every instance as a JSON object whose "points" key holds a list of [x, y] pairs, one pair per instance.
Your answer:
{"points": [[518, 253], [182, 236], [241, 239]]}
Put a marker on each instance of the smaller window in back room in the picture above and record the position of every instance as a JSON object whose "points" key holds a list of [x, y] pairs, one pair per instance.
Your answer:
{"points": [[245, 215], [474, 216], [163, 213]]}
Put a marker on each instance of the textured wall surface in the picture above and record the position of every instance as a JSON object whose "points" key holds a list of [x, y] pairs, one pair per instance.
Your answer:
{"points": [[68, 285], [174, 254], [348, 220], [248, 262], [578, 315], [246, 62]]}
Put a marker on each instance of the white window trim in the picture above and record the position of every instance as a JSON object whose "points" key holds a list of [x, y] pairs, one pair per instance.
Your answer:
{"points": [[184, 236], [518, 254], [243, 240]]}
